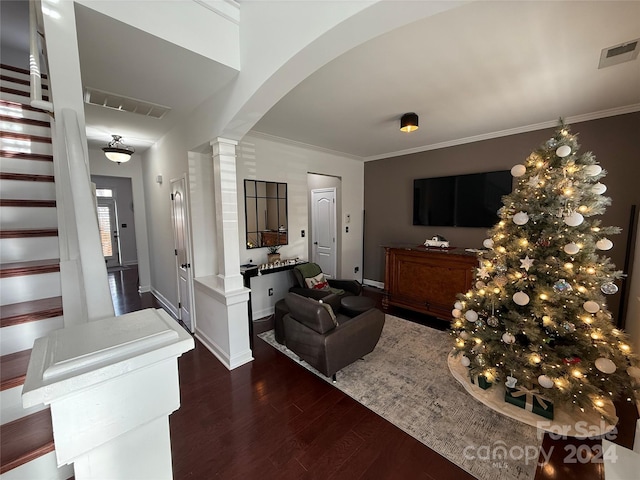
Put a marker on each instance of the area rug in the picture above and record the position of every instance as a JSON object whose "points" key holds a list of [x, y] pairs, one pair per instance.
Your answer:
{"points": [[406, 381]]}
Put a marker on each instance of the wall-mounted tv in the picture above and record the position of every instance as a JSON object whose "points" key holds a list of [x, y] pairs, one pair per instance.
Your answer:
{"points": [[460, 201]]}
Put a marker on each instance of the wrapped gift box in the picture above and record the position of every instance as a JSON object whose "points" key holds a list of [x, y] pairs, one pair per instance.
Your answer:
{"points": [[482, 381], [530, 400]]}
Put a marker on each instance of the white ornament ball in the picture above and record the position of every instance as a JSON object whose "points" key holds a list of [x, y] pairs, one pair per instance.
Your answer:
{"points": [[480, 284], [591, 306], [518, 170], [508, 338], [571, 248], [456, 313], [605, 365], [465, 361], [521, 298], [599, 188], [520, 218], [634, 372], [464, 335], [488, 243], [458, 305], [574, 219], [471, 315], [592, 170], [545, 382], [563, 151], [604, 244]]}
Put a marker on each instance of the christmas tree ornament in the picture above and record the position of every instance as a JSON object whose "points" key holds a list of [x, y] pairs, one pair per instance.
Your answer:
{"points": [[501, 280], [543, 242], [604, 244], [634, 372], [464, 335], [456, 313], [508, 338], [563, 151], [488, 243], [521, 298], [465, 361], [534, 181], [599, 188], [545, 382], [480, 360], [574, 219], [483, 272], [593, 170], [591, 306], [551, 143], [458, 305], [609, 288], [471, 316], [571, 248], [520, 218], [571, 360], [479, 323], [526, 263], [511, 382], [493, 321], [569, 327], [605, 365], [562, 286], [480, 285], [518, 170]]}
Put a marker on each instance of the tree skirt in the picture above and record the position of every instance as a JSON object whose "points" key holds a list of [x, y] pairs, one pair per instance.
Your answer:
{"points": [[406, 380], [566, 422]]}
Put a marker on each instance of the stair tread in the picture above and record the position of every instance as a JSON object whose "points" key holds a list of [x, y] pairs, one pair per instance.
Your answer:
{"points": [[25, 136], [26, 156], [23, 312], [9, 202], [21, 106], [14, 369], [29, 268], [25, 439], [25, 121], [21, 81], [26, 177], [29, 232], [24, 71], [14, 91]]}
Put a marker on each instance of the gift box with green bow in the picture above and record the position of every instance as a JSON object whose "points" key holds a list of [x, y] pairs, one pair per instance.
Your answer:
{"points": [[529, 399], [482, 381]]}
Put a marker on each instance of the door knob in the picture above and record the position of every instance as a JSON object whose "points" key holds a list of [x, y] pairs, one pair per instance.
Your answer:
{"points": [[185, 265], [315, 243]]}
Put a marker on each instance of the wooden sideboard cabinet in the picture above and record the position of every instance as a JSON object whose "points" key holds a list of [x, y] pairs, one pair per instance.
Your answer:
{"points": [[427, 280]]}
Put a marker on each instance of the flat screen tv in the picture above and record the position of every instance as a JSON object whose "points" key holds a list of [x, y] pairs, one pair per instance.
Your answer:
{"points": [[460, 201]]}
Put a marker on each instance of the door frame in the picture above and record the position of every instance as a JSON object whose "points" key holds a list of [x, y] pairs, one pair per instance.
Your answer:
{"points": [[334, 190], [189, 250], [112, 204]]}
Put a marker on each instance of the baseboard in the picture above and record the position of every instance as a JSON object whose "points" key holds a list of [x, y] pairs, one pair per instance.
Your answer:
{"points": [[166, 304], [373, 283], [265, 312], [144, 288], [130, 263], [213, 347]]}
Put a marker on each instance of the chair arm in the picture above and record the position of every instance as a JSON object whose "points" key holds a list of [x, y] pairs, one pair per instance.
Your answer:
{"points": [[310, 292], [351, 286]]}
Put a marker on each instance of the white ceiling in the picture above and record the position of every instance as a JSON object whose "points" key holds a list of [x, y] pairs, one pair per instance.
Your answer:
{"points": [[480, 70], [473, 71]]}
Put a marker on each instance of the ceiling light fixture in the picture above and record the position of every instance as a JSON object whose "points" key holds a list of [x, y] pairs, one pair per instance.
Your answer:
{"points": [[409, 122], [116, 151]]}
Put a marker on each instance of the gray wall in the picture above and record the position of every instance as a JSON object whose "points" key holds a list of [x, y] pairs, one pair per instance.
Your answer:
{"points": [[388, 187]]}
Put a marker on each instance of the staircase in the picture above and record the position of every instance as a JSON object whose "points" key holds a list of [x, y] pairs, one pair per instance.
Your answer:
{"points": [[30, 291]]}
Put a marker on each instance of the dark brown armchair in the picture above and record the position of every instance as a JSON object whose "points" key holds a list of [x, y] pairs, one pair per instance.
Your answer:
{"points": [[304, 275], [327, 343]]}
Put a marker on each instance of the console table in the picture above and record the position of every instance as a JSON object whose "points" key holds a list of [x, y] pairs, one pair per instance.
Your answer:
{"points": [[427, 280]]}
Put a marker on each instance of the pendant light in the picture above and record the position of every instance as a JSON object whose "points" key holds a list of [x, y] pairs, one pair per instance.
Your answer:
{"points": [[409, 122], [116, 151]]}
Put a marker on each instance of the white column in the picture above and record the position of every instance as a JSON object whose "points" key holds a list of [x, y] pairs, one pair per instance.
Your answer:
{"points": [[226, 196], [111, 385]]}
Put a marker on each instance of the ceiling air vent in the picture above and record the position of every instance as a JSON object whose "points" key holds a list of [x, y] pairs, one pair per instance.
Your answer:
{"points": [[94, 96], [624, 52]]}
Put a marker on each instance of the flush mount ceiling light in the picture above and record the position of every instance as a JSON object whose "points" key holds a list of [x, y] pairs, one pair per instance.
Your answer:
{"points": [[116, 151], [409, 122]]}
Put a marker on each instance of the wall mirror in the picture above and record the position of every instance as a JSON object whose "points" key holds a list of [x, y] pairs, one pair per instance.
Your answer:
{"points": [[265, 205]]}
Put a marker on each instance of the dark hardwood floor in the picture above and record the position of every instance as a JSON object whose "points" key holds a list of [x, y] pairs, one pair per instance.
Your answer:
{"points": [[123, 284], [272, 419]]}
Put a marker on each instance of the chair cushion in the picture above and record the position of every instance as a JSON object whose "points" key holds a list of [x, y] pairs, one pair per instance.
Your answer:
{"points": [[307, 270], [330, 311], [318, 282], [310, 313]]}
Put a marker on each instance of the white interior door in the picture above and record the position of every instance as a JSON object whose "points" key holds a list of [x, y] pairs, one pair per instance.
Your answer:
{"points": [[183, 260], [323, 230], [109, 233]]}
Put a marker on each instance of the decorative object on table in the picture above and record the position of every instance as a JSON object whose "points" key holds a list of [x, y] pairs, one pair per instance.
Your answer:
{"points": [[529, 399], [273, 256], [437, 241], [548, 246]]}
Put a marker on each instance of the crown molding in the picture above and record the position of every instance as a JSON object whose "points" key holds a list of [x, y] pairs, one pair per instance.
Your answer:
{"points": [[612, 112], [228, 9]]}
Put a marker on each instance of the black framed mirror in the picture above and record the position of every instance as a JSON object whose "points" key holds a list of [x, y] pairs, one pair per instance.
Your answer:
{"points": [[265, 208]]}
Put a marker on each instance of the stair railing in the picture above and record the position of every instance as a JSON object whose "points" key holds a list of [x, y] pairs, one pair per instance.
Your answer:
{"points": [[34, 62]]}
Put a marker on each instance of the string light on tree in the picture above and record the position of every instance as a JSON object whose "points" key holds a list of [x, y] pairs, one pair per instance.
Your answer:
{"points": [[538, 310]]}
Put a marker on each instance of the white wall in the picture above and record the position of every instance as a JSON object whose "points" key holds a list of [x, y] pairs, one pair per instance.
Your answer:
{"points": [[99, 165], [260, 158]]}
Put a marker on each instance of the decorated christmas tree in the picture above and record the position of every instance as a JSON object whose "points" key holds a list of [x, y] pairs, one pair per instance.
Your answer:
{"points": [[537, 316]]}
